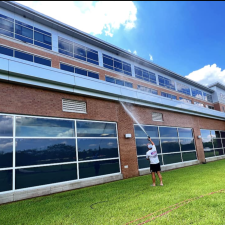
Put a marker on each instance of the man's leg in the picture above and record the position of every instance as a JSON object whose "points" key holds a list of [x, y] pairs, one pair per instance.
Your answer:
{"points": [[160, 177], [153, 178]]}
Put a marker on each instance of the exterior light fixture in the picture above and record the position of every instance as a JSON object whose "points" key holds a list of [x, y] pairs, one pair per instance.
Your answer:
{"points": [[127, 135], [199, 136]]}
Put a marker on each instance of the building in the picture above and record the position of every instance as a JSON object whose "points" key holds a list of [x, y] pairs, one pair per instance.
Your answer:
{"points": [[62, 123]]}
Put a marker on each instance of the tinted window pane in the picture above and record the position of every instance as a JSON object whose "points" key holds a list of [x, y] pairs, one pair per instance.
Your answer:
{"points": [[5, 180], [92, 61], [185, 132], [223, 141], [141, 145], [24, 39], [207, 143], [81, 72], [217, 143], [217, 134], [42, 38], [92, 55], [219, 152], [66, 67], [205, 133], [150, 130], [6, 152], [98, 168], [107, 61], [66, 46], [128, 84], [93, 75], [144, 163], [6, 51], [172, 158], [126, 67], [110, 79], [93, 149], [96, 129], [168, 132], [42, 31], [65, 52], [6, 25], [24, 31], [107, 66], [30, 177], [222, 134], [42, 61], [118, 65], [209, 153], [39, 127], [80, 51], [189, 156], [41, 44], [44, 151], [6, 126], [170, 145], [25, 56], [120, 82], [5, 32], [187, 144]]}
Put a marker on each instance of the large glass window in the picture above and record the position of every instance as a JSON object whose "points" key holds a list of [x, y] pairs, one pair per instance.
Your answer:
{"points": [[196, 93], [213, 142], [183, 89], [77, 51], [173, 145], [207, 97], [25, 32], [116, 65], [145, 75], [167, 95], [24, 56], [165, 82], [119, 82], [146, 89], [49, 150], [77, 70], [185, 100]]}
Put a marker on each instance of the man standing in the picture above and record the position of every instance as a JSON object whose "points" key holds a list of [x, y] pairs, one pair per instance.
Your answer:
{"points": [[154, 162]]}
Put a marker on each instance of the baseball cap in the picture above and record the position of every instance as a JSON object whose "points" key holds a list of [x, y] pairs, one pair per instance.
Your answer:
{"points": [[149, 146]]}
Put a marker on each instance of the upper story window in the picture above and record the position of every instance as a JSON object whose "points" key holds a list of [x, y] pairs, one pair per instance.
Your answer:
{"points": [[119, 82], [183, 89], [209, 106], [116, 65], [168, 95], [24, 56], [145, 75], [77, 70], [196, 93], [24, 32], [185, 100], [165, 82], [207, 97], [146, 89], [199, 104], [77, 51]]}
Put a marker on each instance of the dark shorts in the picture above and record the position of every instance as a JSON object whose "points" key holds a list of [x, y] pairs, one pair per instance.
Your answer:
{"points": [[155, 167]]}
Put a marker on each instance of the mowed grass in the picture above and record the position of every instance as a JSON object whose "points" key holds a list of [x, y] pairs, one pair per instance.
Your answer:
{"points": [[123, 201]]}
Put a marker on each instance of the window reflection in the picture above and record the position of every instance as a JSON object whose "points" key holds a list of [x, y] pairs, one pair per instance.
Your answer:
{"points": [[189, 156], [36, 176], [95, 129], [6, 180], [6, 152], [172, 158], [170, 145], [187, 144], [168, 132], [185, 132], [93, 149], [144, 163], [207, 143], [6, 126], [40, 127], [98, 168], [217, 143], [219, 151], [209, 153], [151, 131], [44, 151], [141, 145]]}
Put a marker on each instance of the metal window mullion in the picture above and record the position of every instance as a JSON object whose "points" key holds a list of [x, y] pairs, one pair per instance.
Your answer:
{"points": [[160, 145], [179, 145], [118, 148], [78, 176], [14, 153]]}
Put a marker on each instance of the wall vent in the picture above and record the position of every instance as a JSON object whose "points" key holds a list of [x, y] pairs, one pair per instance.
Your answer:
{"points": [[157, 116], [74, 106]]}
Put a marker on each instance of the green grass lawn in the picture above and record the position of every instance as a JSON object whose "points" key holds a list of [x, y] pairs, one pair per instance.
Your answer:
{"points": [[126, 200]]}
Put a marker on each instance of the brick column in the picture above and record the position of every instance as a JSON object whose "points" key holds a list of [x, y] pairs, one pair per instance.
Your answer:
{"points": [[199, 145], [128, 152]]}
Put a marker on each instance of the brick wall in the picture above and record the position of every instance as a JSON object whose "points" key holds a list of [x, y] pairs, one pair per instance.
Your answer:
{"points": [[18, 99]]}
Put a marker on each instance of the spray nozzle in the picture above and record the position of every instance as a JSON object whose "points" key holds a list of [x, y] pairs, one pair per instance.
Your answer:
{"points": [[148, 137]]}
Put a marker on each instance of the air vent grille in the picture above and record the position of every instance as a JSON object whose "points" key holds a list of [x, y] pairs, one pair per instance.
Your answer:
{"points": [[74, 106], [157, 116]]}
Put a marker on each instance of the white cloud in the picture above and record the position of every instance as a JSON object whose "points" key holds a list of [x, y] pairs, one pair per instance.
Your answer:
{"points": [[135, 52], [151, 57], [129, 50], [91, 17], [208, 75]]}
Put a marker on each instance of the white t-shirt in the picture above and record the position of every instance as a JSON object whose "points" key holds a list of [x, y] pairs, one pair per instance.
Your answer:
{"points": [[152, 155]]}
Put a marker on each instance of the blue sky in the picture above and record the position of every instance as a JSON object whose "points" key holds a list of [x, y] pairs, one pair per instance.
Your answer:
{"points": [[185, 37]]}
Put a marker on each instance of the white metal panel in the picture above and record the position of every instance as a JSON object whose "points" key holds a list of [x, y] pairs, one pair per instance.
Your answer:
{"points": [[157, 116]]}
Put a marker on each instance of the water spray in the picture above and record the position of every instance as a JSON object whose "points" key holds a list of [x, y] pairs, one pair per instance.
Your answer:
{"points": [[132, 116]]}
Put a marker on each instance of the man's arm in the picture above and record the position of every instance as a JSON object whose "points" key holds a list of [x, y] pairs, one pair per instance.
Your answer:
{"points": [[151, 141]]}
